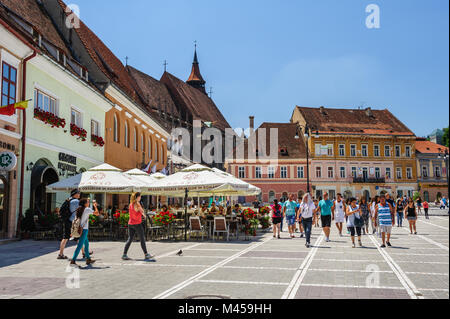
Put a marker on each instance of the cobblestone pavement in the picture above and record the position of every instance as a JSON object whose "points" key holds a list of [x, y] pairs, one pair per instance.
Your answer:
{"points": [[417, 266]]}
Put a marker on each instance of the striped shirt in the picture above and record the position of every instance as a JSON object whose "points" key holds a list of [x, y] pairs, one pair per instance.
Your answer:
{"points": [[384, 215]]}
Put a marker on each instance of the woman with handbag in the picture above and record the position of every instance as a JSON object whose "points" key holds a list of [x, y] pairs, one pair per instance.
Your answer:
{"points": [[277, 217], [354, 221], [80, 229]]}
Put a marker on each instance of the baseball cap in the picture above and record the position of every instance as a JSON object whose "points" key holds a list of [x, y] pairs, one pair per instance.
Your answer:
{"points": [[74, 192]]}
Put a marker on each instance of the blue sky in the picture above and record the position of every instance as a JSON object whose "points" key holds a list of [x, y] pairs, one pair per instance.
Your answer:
{"points": [[264, 57]]}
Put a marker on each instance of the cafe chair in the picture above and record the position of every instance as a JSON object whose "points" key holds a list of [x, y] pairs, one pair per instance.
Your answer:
{"points": [[195, 226], [220, 226]]}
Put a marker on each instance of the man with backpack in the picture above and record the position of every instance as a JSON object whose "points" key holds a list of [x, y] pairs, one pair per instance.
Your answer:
{"points": [[67, 214]]}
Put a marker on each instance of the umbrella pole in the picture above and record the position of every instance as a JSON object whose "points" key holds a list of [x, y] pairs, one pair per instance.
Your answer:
{"points": [[185, 214]]}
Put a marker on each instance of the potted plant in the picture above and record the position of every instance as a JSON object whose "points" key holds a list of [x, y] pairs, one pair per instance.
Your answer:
{"points": [[49, 118], [78, 131], [163, 219]]}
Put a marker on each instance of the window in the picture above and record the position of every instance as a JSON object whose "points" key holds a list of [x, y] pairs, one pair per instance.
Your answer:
{"points": [[271, 196], [330, 172], [342, 172], [116, 129], [127, 135], [341, 150], [425, 171], [300, 172], [399, 172], [319, 172], [408, 151], [95, 130], [330, 150], [75, 118], [283, 172], [149, 148], [365, 173], [162, 154], [353, 150], [377, 172], [135, 140], [409, 173], [388, 172], [9, 84], [353, 172], [364, 150], [376, 150], [318, 149], [387, 151], [398, 151], [45, 102], [437, 171], [271, 172], [258, 172]]}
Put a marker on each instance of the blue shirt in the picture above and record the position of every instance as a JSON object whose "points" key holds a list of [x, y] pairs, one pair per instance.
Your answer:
{"points": [[325, 207], [74, 204], [291, 207]]}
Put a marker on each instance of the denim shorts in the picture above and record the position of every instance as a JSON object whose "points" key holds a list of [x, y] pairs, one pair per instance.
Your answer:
{"points": [[290, 220]]}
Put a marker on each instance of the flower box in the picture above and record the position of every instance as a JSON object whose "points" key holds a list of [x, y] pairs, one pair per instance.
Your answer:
{"points": [[78, 131], [49, 118], [97, 140]]}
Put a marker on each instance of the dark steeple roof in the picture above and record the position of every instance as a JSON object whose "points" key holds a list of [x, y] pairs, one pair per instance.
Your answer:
{"points": [[195, 79]]}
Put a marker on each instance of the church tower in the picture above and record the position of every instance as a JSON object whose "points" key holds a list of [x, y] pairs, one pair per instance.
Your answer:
{"points": [[195, 79]]}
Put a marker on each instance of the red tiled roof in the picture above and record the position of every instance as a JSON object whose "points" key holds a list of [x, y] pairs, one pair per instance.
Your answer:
{"points": [[154, 93], [353, 121], [31, 12], [200, 105], [427, 147]]}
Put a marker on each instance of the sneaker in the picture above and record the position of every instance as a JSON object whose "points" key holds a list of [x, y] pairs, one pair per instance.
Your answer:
{"points": [[125, 257], [61, 257], [383, 246], [307, 245], [353, 246], [149, 256], [360, 243], [302, 235], [389, 244]]}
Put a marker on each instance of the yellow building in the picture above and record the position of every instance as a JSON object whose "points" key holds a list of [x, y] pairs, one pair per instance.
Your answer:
{"points": [[358, 152]]}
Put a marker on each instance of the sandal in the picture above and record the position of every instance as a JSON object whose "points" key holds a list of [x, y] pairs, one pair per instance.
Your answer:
{"points": [[60, 257]]}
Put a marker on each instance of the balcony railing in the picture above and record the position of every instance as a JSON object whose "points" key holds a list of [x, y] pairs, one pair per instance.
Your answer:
{"points": [[378, 180]]}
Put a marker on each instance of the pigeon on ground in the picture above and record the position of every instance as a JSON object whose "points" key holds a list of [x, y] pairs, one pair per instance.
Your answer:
{"points": [[180, 253]]}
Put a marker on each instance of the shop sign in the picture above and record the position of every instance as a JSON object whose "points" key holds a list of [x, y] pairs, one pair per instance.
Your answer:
{"points": [[8, 161]]}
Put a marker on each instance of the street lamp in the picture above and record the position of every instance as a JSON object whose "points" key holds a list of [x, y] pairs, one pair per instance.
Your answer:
{"points": [[306, 135], [445, 156]]}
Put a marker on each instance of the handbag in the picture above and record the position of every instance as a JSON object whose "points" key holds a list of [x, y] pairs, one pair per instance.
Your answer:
{"points": [[358, 221], [76, 229]]}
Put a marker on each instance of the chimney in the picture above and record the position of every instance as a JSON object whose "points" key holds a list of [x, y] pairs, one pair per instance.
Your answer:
{"points": [[369, 112], [252, 124], [322, 110]]}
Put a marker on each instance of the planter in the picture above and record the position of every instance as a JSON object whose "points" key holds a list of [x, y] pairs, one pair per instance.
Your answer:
{"points": [[78, 131], [97, 140], [49, 118]]}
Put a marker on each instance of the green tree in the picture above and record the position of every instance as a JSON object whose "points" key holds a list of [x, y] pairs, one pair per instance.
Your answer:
{"points": [[445, 138]]}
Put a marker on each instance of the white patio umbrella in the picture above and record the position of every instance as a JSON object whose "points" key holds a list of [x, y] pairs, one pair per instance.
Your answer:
{"points": [[101, 179], [251, 190]]}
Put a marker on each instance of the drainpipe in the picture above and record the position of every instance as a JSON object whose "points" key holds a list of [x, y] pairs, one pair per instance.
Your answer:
{"points": [[24, 127]]}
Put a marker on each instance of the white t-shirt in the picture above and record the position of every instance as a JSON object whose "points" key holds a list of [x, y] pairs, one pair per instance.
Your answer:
{"points": [[85, 217], [307, 210], [339, 208]]}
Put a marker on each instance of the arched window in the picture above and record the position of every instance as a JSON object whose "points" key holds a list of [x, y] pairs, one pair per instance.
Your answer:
{"points": [[135, 140], [116, 129], [149, 148], [142, 143], [127, 135]]}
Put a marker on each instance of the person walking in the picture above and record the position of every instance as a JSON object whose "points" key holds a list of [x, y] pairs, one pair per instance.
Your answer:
{"points": [[68, 214], [277, 216], [384, 212], [365, 214], [425, 209], [83, 212], [419, 205], [290, 211], [317, 215], [135, 226], [326, 217], [299, 218], [307, 212], [339, 209], [373, 215], [354, 221], [400, 208], [411, 214]]}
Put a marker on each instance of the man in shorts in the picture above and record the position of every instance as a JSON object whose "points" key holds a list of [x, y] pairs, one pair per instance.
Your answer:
{"points": [[290, 211], [324, 208], [67, 223], [338, 210], [385, 211]]}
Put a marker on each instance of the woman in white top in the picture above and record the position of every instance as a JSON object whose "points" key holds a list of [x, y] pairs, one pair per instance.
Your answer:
{"points": [[307, 212], [83, 213], [354, 221], [338, 209]]}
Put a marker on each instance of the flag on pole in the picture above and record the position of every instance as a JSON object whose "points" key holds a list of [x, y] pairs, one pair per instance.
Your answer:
{"points": [[154, 169], [9, 110], [147, 169]]}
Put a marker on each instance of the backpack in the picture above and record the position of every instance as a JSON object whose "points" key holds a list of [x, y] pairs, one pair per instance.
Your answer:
{"points": [[64, 211], [76, 229]]}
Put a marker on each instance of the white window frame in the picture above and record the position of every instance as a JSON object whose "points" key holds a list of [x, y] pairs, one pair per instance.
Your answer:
{"points": [[76, 110], [354, 171], [399, 172], [398, 150], [342, 172], [330, 150], [271, 172], [388, 173], [409, 173], [318, 172], [126, 134], [437, 171], [284, 172], [355, 148], [425, 170], [258, 172], [377, 172], [150, 144], [300, 172], [49, 94], [330, 172], [376, 150], [366, 147], [408, 151], [342, 150], [388, 149], [95, 132], [116, 129]]}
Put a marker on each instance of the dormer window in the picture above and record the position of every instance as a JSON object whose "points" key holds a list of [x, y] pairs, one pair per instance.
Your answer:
{"points": [[284, 152]]}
